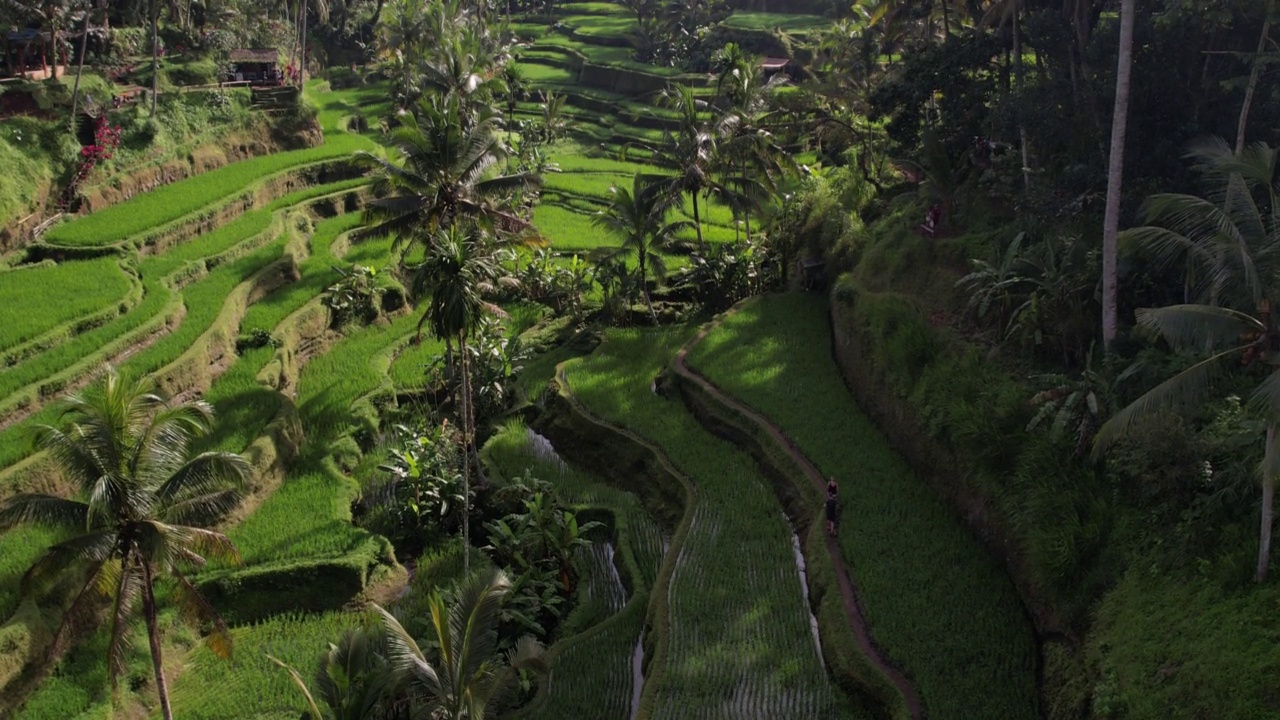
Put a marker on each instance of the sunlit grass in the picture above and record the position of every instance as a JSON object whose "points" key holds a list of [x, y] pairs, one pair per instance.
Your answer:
{"points": [[938, 604]]}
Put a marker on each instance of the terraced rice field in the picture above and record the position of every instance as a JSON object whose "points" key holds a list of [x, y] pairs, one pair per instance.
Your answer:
{"points": [[704, 617], [937, 603], [740, 642]]}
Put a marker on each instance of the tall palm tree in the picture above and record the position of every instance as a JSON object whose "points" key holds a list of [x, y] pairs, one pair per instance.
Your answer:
{"points": [[461, 265], [1115, 173], [639, 217], [750, 159], [146, 501], [440, 174], [463, 676], [1232, 237], [690, 151]]}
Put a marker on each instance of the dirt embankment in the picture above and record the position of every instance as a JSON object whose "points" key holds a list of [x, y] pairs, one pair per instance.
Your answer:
{"points": [[149, 175]]}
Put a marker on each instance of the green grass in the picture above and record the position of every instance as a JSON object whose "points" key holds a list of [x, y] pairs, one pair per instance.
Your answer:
{"points": [[594, 186], [250, 686], [317, 274], [1173, 648], [601, 26], [938, 604], [739, 634], [536, 72], [37, 299], [787, 22], [592, 8], [172, 202], [409, 369], [310, 515], [569, 230]]}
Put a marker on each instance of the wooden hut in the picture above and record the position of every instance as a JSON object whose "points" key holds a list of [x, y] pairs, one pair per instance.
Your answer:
{"points": [[25, 50], [773, 65], [256, 66]]}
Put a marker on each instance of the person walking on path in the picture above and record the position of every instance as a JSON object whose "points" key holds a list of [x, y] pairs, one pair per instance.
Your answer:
{"points": [[833, 509]]}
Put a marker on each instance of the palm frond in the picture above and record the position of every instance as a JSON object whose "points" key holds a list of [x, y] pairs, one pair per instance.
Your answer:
{"points": [[196, 610], [44, 510], [301, 685], [205, 473], [1198, 327], [1185, 389], [403, 652]]}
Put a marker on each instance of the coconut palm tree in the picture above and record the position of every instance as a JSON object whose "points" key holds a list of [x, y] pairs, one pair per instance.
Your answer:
{"points": [[639, 217], [461, 265], [462, 677], [1232, 238], [439, 174], [146, 500], [1115, 173], [690, 151]]}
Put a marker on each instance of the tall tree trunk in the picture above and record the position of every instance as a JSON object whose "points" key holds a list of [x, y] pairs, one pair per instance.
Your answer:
{"points": [[153, 634], [53, 44], [1115, 174], [1018, 72], [75, 90], [1269, 468], [644, 284], [155, 54], [302, 54], [1253, 83], [467, 430], [697, 224], [946, 20]]}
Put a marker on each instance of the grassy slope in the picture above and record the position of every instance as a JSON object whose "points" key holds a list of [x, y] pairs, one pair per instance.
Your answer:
{"points": [[937, 603]]}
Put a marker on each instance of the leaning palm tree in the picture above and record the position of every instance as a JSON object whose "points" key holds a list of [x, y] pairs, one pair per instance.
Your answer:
{"points": [[145, 502], [462, 677], [1231, 238], [639, 217], [439, 175], [461, 265]]}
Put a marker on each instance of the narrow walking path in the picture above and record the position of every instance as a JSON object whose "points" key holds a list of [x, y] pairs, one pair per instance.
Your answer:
{"points": [[848, 593]]}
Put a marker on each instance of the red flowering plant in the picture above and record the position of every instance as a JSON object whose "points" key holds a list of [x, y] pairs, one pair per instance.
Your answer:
{"points": [[106, 138]]}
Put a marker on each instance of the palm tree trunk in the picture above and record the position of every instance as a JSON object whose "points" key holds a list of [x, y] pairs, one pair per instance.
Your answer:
{"points": [[1115, 174], [1253, 84], [644, 290], [697, 223], [155, 53], [1268, 504], [302, 54], [75, 89], [153, 634], [467, 429], [1018, 72]]}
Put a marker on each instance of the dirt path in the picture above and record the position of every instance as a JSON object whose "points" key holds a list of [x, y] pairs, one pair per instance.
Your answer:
{"points": [[848, 592]]}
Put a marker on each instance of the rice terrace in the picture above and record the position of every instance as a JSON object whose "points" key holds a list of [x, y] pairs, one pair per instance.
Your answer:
{"points": [[761, 359]]}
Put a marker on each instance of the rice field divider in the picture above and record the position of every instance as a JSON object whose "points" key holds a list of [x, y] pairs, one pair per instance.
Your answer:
{"points": [[219, 209], [35, 395], [657, 642], [846, 640], [270, 455]]}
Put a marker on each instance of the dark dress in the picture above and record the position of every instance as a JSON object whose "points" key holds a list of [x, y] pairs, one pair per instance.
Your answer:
{"points": [[832, 509]]}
